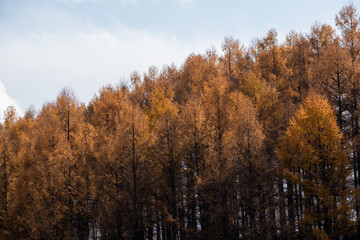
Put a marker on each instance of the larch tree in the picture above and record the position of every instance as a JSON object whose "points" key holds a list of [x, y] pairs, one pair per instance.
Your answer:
{"points": [[166, 153], [348, 22], [120, 164], [313, 157], [49, 203], [334, 78], [68, 112], [215, 99], [244, 147], [233, 54], [321, 35], [194, 147], [8, 150]]}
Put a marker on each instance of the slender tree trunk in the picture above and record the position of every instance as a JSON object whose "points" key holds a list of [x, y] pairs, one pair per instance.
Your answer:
{"points": [[5, 177], [136, 230], [291, 210], [282, 207]]}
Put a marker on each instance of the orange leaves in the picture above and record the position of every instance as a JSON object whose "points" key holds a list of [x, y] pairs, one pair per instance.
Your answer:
{"points": [[312, 132], [312, 156], [245, 130], [161, 103]]}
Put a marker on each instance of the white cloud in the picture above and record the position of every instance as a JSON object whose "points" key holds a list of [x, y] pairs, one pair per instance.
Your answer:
{"points": [[38, 59], [36, 66], [6, 101]]}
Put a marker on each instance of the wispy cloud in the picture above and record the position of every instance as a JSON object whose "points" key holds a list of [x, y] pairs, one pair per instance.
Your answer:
{"points": [[38, 57], [38, 65]]}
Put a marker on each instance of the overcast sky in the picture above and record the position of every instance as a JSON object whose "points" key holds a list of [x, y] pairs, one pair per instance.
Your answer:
{"points": [[46, 45]]}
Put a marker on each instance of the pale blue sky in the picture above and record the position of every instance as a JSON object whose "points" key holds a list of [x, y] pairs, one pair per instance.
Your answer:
{"points": [[85, 44]]}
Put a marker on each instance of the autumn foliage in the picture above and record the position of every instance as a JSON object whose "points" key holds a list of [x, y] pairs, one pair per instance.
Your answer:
{"points": [[258, 142]]}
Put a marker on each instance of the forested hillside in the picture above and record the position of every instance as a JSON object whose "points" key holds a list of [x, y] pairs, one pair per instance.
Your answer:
{"points": [[252, 142]]}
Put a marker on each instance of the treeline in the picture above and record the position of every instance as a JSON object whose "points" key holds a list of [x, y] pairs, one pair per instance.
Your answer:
{"points": [[258, 142]]}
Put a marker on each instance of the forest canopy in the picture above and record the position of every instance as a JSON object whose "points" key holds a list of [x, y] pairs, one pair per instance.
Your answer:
{"points": [[256, 142]]}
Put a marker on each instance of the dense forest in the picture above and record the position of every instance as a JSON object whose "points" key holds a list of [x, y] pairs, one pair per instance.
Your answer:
{"points": [[257, 142]]}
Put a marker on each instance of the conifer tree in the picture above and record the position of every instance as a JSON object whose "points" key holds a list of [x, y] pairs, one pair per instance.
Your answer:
{"points": [[314, 158]]}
